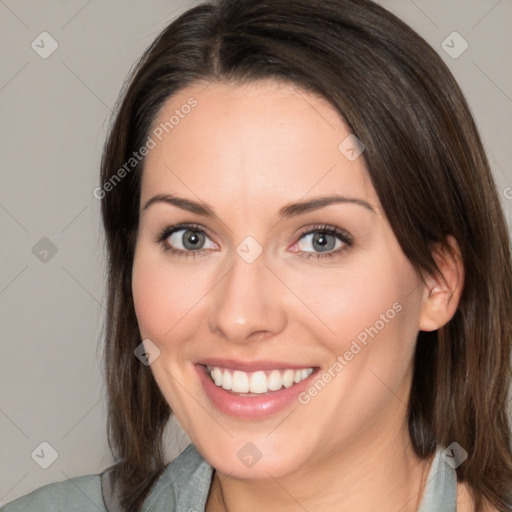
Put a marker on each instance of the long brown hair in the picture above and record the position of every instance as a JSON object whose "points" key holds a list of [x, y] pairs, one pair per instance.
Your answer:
{"points": [[427, 165]]}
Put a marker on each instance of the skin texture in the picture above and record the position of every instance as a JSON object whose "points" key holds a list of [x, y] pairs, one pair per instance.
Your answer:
{"points": [[247, 150]]}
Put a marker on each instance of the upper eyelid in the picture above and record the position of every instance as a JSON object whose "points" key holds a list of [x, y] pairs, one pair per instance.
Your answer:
{"points": [[171, 229], [328, 228]]}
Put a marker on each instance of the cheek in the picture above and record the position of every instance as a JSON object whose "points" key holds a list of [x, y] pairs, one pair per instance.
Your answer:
{"points": [[359, 302], [374, 318], [162, 297], [377, 330]]}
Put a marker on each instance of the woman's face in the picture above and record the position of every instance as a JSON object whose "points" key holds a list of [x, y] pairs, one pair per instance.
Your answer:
{"points": [[259, 290]]}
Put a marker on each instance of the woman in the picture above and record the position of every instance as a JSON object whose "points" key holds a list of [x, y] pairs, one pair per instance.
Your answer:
{"points": [[308, 266]]}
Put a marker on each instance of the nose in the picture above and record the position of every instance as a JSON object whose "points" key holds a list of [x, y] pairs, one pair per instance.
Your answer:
{"points": [[246, 304]]}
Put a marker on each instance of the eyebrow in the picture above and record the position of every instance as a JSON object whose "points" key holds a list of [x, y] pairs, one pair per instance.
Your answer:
{"points": [[289, 210]]}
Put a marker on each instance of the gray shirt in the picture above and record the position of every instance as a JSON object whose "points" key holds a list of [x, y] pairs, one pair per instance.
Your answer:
{"points": [[184, 486]]}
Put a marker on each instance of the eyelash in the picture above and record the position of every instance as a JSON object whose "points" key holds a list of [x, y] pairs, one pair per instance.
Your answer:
{"points": [[341, 234]]}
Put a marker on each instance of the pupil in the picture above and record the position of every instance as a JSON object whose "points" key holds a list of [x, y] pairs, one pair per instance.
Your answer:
{"points": [[192, 240], [321, 239]]}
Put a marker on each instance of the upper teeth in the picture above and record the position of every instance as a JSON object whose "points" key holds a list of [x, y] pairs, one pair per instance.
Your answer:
{"points": [[257, 382]]}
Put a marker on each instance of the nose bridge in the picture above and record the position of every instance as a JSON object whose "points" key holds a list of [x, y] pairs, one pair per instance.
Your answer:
{"points": [[247, 301]]}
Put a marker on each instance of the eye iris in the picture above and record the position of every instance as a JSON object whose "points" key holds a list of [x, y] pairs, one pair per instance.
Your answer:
{"points": [[321, 239], [191, 239]]}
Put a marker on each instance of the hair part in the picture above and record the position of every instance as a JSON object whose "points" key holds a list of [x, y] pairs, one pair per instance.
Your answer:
{"points": [[428, 166]]}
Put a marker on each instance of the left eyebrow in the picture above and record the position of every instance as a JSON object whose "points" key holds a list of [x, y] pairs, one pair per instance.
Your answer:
{"points": [[316, 203]]}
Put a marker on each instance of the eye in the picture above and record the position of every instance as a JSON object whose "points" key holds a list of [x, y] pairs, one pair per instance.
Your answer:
{"points": [[185, 240], [325, 241], [189, 240]]}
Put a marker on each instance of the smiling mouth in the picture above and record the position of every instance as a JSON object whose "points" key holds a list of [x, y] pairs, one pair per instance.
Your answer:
{"points": [[256, 383]]}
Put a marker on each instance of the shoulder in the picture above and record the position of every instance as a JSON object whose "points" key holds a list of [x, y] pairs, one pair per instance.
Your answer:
{"points": [[82, 493], [184, 484]]}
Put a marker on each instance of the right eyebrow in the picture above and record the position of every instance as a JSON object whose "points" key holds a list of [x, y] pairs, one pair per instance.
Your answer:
{"points": [[185, 204]]}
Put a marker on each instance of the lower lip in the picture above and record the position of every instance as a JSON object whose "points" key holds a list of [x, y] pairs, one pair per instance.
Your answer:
{"points": [[250, 407]]}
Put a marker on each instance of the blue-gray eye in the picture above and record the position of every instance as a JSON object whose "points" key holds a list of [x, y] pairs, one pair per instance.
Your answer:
{"points": [[187, 239], [321, 242]]}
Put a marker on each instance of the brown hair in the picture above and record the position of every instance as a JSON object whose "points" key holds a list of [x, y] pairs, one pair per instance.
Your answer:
{"points": [[427, 165]]}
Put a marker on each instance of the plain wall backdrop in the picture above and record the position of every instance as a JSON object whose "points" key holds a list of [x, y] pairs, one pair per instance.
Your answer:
{"points": [[63, 64]]}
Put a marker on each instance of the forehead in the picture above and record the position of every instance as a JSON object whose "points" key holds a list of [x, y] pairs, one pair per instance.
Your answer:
{"points": [[244, 144]]}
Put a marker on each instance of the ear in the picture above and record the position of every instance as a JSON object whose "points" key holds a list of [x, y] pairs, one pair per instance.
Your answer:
{"points": [[442, 291]]}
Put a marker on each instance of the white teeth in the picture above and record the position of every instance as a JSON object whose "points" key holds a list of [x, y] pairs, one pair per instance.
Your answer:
{"points": [[217, 376], [240, 382], [258, 382], [226, 380], [274, 380], [288, 378]]}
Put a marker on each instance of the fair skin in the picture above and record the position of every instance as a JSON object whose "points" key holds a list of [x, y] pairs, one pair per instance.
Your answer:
{"points": [[246, 151]]}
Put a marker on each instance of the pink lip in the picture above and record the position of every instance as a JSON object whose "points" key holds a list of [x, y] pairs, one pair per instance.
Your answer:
{"points": [[250, 407], [251, 366]]}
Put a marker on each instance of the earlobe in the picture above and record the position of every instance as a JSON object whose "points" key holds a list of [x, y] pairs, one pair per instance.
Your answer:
{"points": [[442, 291]]}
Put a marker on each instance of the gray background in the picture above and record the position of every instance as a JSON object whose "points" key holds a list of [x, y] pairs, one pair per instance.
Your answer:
{"points": [[54, 114]]}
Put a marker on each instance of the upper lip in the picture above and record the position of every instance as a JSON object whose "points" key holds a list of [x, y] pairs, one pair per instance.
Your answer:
{"points": [[251, 366]]}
